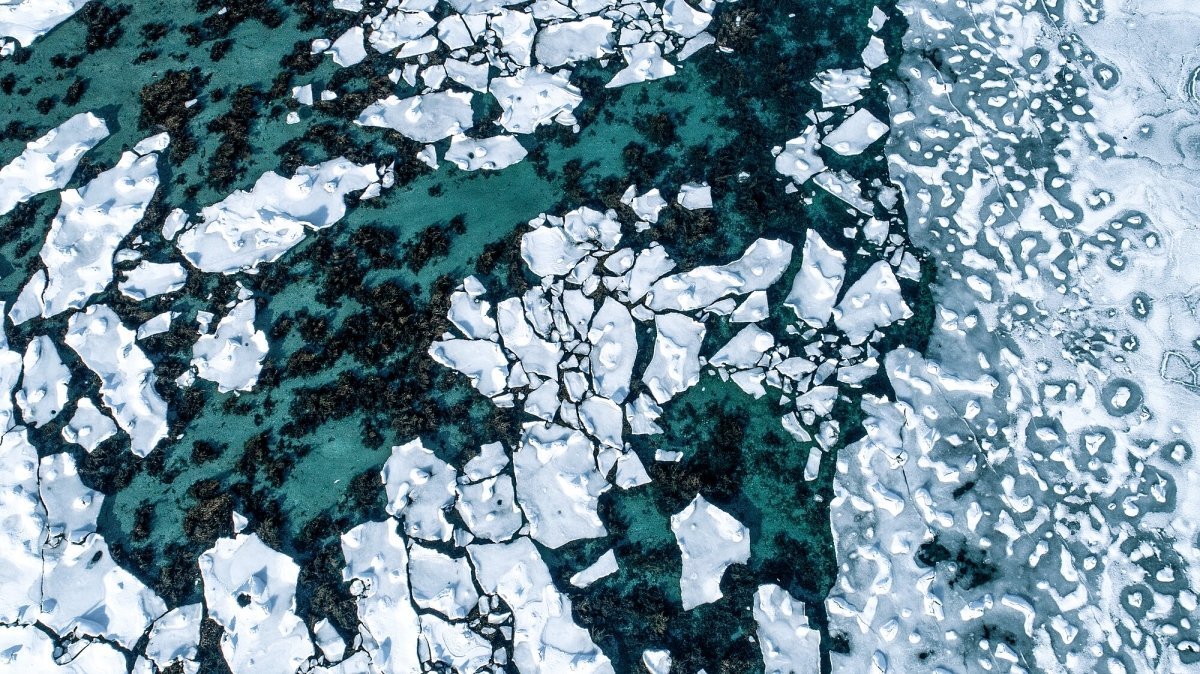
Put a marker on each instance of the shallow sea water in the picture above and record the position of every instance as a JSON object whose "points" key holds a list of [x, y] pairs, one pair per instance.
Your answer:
{"points": [[299, 453]]}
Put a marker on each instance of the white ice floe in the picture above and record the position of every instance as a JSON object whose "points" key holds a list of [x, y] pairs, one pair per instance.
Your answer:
{"points": [[614, 349], [545, 637], [675, 365], [873, 302], [232, 356], [789, 645], [377, 567], [571, 41], [875, 53], [695, 196], [157, 325], [489, 154], [645, 63], [558, 484], [90, 225], [841, 87], [44, 382], [249, 228], [250, 591], [26, 648], [89, 426], [126, 375], [845, 187], [815, 287], [49, 162], [175, 637], [348, 49], [424, 118], [855, 134], [441, 583], [603, 567], [150, 279], [710, 540], [489, 509], [24, 531], [481, 360], [657, 661], [27, 20], [760, 266], [681, 18], [420, 489], [534, 97], [647, 206]]}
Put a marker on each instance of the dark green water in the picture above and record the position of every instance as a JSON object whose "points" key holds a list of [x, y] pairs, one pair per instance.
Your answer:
{"points": [[351, 311]]}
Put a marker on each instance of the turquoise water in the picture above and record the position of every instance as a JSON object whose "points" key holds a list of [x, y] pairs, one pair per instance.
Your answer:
{"points": [[347, 374]]}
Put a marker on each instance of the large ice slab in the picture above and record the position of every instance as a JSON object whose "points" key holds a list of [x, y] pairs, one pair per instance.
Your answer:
{"points": [[250, 591], [150, 279], [377, 566], [760, 266], [126, 375], [248, 228], [44, 382], [675, 366], [570, 41], [873, 301], [534, 97], [545, 636], [90, 225], [89, 426], [233, 354], [27, 20], [558, 484], [420, 489], [710, 540], [424, 118], [789, 645], [614, 349], [855, 134], [49, 162], [489, 154], [815, 287]]}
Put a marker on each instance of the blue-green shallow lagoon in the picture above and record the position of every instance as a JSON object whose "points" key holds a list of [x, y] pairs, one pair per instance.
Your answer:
{"points": [[351, 311]]}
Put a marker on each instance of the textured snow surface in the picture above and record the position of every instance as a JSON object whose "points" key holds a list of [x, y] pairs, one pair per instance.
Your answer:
{"points": [[48, 162]]}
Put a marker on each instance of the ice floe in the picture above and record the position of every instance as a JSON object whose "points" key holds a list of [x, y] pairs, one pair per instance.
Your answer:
{"points": [[233, 354], [44, 382], [710, 540], [49, 162]]}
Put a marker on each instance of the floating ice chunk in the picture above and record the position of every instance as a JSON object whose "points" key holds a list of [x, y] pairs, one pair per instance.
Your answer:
{"points": [[481, 360], [760, 266], [126, 375], [348, 49], [745, 350], [534, 97], [614, 349], [489, 508], [49, 162], [630, 472], [873, 301], [694, 45], [489, 154], [29, 302], [695, 196], [24, 516], [249, 228], [710, 540], [875, 54], [420, 488], [878, 18], [545, 636], [89, 227], [843, 186], [398, 28], [570, 41], [799, 159], [27, 648], [515, 30], [71, 507], [558, 484], [156, 326], [471, 75], [377, 566], [44, 385], [454, 645], [753, 310], [657, 662], [675, 366], [841, 87], [176, 636], [651, 264], [250, 591], [602, 419], [587, 225], [174, 223], [480, 6], [303, 95], [648, 206], [233, 355], [855, 134], [605, 566], [492, 459], [441, 583], [789, 645], [89, 426], [424, 118], [645, 63], [641, 414], [682, 19], [150, 279], [332, 645], [668, 456], [536, 354], [469, 314], [815, 287], [27, 20]]}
